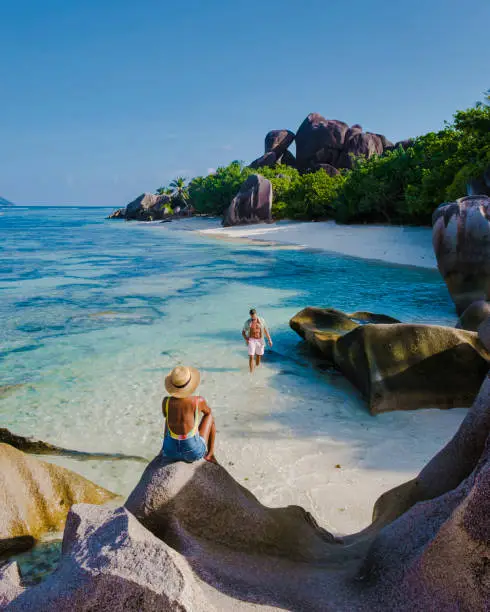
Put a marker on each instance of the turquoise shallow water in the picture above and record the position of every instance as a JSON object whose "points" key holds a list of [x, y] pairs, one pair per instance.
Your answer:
{"points": [[93, 313]]}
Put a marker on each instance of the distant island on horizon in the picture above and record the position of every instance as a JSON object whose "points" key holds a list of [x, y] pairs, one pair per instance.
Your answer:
{"points": [[4, 202]]}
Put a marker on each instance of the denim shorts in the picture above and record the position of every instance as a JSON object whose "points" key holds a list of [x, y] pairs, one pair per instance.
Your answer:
{"points": [[190, 449]]}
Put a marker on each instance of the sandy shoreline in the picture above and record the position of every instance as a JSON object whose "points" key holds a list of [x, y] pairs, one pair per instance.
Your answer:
{"points": [[409, 246], [337, 466]]}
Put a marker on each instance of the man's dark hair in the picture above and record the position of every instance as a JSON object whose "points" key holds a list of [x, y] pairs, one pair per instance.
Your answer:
{"points": [[252, 311]]}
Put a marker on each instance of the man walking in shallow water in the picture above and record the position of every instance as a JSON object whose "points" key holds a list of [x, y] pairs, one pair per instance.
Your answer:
{"points": [[253, 333]]}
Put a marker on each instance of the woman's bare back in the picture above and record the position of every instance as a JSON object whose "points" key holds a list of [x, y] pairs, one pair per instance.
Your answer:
{"points": [[181, 416]]}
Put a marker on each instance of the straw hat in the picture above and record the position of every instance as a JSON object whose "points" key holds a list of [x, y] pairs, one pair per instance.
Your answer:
{"points": [[182, 381]]}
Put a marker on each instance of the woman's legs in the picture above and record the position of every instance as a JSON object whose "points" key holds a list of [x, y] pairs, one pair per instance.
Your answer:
{"points": [[207, 431]]}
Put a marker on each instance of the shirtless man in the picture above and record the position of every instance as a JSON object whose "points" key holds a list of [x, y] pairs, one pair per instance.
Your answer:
{"points": [[253, 333]]}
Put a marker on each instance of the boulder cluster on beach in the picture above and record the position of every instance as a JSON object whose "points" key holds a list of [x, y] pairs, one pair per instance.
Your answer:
{"points": [[327, 144], [190, 537], [321, 144]]}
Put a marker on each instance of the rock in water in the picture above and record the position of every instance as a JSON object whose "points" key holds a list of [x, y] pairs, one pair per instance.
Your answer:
{"points": [[252, 204], [461, 240], [398, 366], [35, 496], [120, 213], [147, 207], [112, 563], [322, 327]]}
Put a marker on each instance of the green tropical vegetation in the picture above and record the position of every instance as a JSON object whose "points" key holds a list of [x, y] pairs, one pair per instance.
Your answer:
{"points": [[177, 191], [400, 186]]}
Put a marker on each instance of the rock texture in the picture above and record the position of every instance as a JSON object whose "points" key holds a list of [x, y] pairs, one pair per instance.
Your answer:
{"points": [[112, 563], [120, 213], [146, 207], [252, 204], [13, 546], [320, 140], [166, 498], [461, 240], [35, 496], [398, 366], [278, 141], [218, 547], [436, 555], [276, 150], [10, 584], [264, 161], [326, 144], [474, 315], [322, 327], [428, 547]]}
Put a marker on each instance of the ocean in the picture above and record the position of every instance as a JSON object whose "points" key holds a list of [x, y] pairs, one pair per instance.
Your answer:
{"points": [[94, 313]]}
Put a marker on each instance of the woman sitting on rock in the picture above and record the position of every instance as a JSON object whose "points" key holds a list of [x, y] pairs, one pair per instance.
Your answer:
{"points": [[187, 439]]}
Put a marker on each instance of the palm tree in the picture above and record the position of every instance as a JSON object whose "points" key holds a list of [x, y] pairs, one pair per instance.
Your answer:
{"points": [[179, 189], [168, 191]]}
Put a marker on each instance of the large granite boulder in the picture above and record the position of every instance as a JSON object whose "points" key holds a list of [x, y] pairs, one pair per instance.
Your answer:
{"points": [[147, 207], [428, 547], [330, 170], [166, 498], [276, 150], [288, 159], [474, 315], [461, 240], [264, 161], [35, 496], [10, 584], [398, 366], [110, 562], [278, 141], [319, 140], [322, 327], [359, 144], [436, 554], [252, 204], [120, 213]]}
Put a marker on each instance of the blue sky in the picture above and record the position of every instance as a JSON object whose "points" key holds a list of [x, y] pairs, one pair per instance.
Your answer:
{"points": [[102, 100]]}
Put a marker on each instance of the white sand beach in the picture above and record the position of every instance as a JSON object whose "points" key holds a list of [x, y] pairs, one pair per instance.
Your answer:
{"points": [[316, 447], [395, 244]]}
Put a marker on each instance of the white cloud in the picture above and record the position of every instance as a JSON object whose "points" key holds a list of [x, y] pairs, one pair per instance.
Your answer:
{"points": [[227, 147], [211, 170]]}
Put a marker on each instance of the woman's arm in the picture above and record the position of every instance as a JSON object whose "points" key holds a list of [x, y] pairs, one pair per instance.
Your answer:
{"points": [[203, 406]]}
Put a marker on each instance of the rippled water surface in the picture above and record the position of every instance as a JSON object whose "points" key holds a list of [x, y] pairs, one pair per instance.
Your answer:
{"points": [[94, 313]]}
